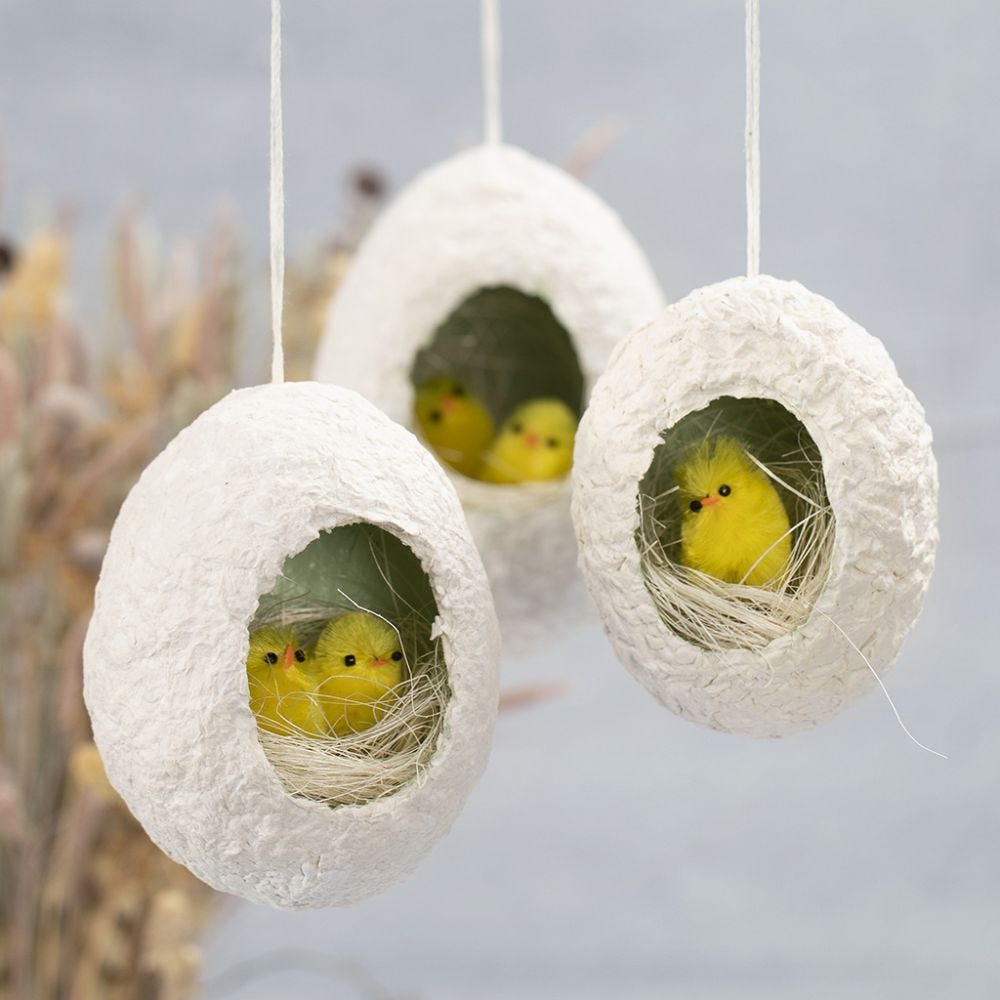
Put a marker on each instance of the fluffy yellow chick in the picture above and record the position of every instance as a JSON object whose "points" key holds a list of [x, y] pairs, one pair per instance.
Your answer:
{"points": [[282, 684], [454, 423], [733, 523], [534, 444], [360, 660]]}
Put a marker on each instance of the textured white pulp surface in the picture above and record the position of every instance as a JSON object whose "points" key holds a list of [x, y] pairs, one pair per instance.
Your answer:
{"points": [[769, 339], [491, 216], [200, 538]]}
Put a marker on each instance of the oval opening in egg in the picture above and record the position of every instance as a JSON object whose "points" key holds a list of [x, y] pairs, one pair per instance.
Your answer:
{"points": [[347, 685], [735, 528], [499, 389]]}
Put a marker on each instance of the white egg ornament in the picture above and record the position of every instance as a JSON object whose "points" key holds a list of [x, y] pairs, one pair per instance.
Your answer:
{"points": [[802, 387], [508, 274], [201, 537]]}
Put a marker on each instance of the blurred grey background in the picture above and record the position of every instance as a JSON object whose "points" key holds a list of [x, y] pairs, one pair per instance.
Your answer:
{"points": [[613, 850]]}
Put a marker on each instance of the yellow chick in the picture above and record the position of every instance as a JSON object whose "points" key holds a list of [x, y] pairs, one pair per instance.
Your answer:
{"points": [[283, 684], [733, 523], [360, 660], [454, 423], [534, 444]]}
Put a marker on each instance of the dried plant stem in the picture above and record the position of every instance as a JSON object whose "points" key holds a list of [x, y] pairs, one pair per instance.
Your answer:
{"points": [[120, 451], [80, 878], [89, 907]]}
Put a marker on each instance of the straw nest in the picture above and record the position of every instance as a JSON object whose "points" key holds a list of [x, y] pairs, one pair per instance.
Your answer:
{"points": [[718, 615], [362, 766]]}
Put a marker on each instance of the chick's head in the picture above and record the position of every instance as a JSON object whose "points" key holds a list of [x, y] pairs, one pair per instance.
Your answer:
{"points": [[454, 422], [359, 639], [717, 476], [534, 444], [444, 403], [438, 400], [277, 648]]}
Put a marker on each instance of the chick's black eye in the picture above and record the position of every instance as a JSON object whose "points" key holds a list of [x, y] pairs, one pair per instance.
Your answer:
{"points": [[435, 416], [271, 658], [397, 656], [517, 427], [458, 391], [552, 442], [725, 490], [350, 660], [300, 656], [696, 505]]}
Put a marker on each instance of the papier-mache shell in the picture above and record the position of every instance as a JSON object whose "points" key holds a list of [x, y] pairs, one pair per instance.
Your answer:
{"points": [[764, 338], [200, 538], [493, 216]]}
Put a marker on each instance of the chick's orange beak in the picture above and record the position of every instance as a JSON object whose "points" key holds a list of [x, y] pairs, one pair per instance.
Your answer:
{"points": [[448, 403], [380, 662], [709, 501], [531, 439], [288, 658]]}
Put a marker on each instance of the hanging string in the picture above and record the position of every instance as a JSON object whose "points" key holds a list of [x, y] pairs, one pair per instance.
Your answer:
{"points": [[277, 203], [752, 153], [752, 136], [491, 70]]}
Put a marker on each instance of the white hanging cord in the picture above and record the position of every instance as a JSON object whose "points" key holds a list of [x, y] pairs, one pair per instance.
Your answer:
{"points": [[491, 70], [277, 213], [752, 137], [752, 153]]}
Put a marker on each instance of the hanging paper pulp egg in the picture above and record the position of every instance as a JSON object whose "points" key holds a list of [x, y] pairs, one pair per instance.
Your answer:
{"points": [[264, 475], [507, 274], [822, 421]]}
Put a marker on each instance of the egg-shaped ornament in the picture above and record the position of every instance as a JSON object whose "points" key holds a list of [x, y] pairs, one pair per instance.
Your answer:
{"points": [[755, 498], [491, 293], [292, 664]]}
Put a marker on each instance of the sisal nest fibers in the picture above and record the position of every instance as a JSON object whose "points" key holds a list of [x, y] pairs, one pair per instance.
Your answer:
{"points": [[359, 767], [715, 614], [383, 579]]}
